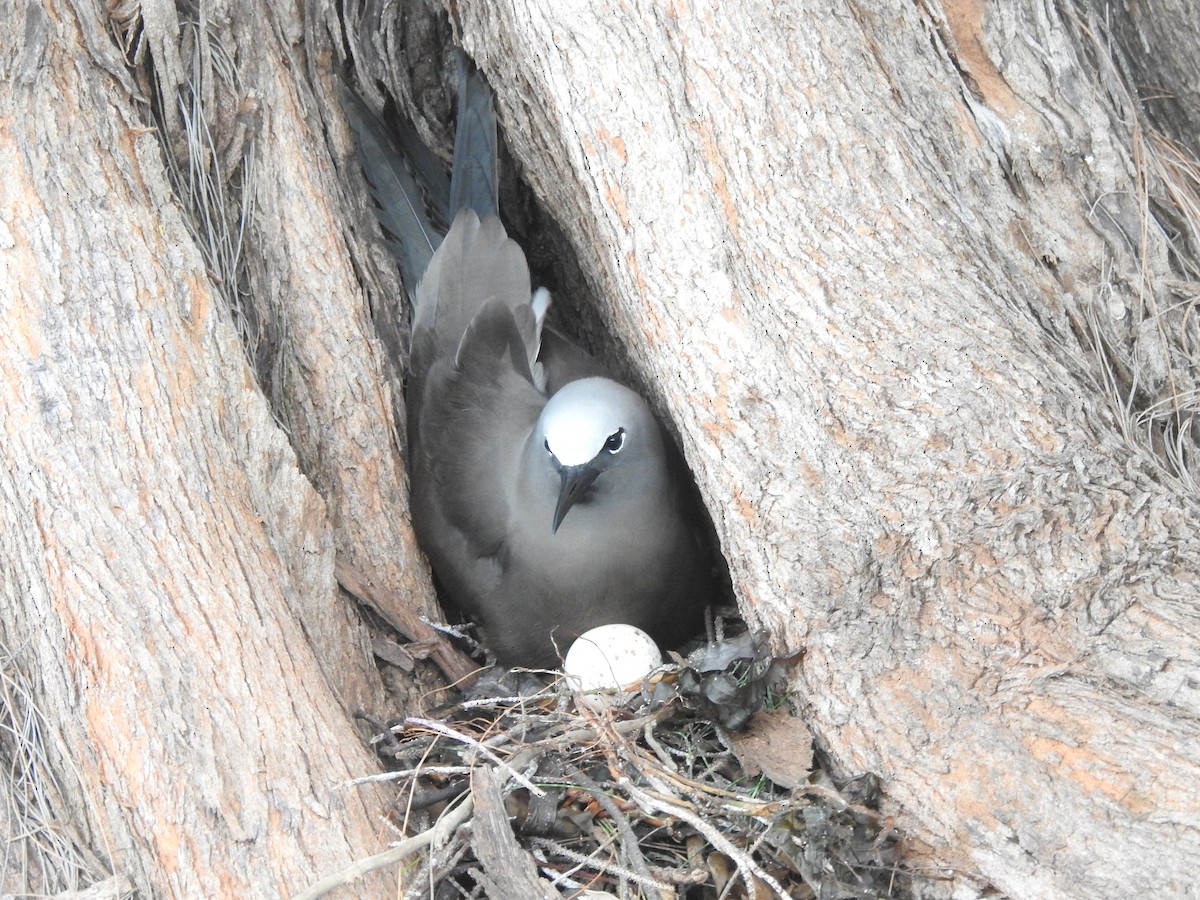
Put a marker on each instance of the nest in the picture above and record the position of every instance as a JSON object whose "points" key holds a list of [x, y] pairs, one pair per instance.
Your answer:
{"points": [[548, 793]]}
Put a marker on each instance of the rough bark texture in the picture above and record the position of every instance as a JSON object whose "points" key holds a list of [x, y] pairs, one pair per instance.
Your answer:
{"points": [[849, 252], [168, 570]]}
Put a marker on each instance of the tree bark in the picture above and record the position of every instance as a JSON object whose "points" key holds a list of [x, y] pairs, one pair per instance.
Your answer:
{"points": [[874, 263], [168, 567], [854, 253]]}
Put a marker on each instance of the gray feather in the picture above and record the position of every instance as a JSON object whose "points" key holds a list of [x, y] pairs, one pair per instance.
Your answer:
{"points": [[430, 173], [547, 496], [474, 179], [401, 207]]}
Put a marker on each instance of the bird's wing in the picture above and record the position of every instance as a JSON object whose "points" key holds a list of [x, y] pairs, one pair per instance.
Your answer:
{"points": [[563, 361], [429, 171], [416, 200], [473, 414], [472, 397]]}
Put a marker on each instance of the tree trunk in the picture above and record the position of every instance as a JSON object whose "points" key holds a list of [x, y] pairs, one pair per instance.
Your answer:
{"points": [[169, 593], [876, 264], [867, 260]]}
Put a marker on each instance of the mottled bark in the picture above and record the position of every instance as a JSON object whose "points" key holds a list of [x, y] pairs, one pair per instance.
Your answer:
{"points": [[854, 253], [168, 577]]}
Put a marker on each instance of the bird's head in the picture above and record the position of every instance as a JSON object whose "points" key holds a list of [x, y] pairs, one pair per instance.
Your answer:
{"points": [[592, 427]]}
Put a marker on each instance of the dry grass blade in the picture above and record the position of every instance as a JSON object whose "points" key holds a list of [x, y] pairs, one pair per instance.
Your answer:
{"points": [[1148, 355], [214, 179], [41, 854]]}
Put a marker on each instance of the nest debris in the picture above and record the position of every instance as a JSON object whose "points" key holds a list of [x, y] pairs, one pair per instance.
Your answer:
{"points": [[552, 794]]}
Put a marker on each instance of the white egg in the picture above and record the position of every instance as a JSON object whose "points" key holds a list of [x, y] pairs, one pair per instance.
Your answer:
{"points": [[611, 658]]}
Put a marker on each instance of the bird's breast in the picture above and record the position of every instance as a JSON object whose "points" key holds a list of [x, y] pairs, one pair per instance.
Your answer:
{"points": [[593, 557]]}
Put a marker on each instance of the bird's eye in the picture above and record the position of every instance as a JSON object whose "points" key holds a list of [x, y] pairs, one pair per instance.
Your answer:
{"points": [[547, 443], [615, 441]]}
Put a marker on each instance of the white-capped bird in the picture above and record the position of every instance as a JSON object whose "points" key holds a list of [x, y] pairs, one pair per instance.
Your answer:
{"points": [[548, 497]]}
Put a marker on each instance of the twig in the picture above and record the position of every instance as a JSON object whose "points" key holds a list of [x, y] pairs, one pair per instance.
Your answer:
{"points": [[628, 726], [589, 860], [506, 868], [437, 834], [581, 860], [460, 849], [438, 727], [407, 773], [663, 756], [457, 667], [630, 841], [711, 833], [837, 801]]}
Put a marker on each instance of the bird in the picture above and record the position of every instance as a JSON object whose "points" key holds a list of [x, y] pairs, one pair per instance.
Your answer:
{"points": [[547, 496]]}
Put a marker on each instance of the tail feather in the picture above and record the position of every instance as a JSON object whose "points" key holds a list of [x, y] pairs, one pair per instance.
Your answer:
{"points": [[401, 201], [476, 265], [474, 180], [430, 173]]}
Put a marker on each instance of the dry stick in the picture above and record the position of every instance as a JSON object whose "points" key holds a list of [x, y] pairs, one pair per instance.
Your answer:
{"points": [[505, 867], [754, 849], [458, 847], [410, 800], [445, 826], [412, 881], [589, 860], [661, 876], [456, 666], [648, 802], [581, 860], [712, 834], [736, 802], [441, 830], [485, 702], [632, 848], [652, 742], [627, 726], [406, 773], [476, 745], [464, 846], [836, 800]]}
